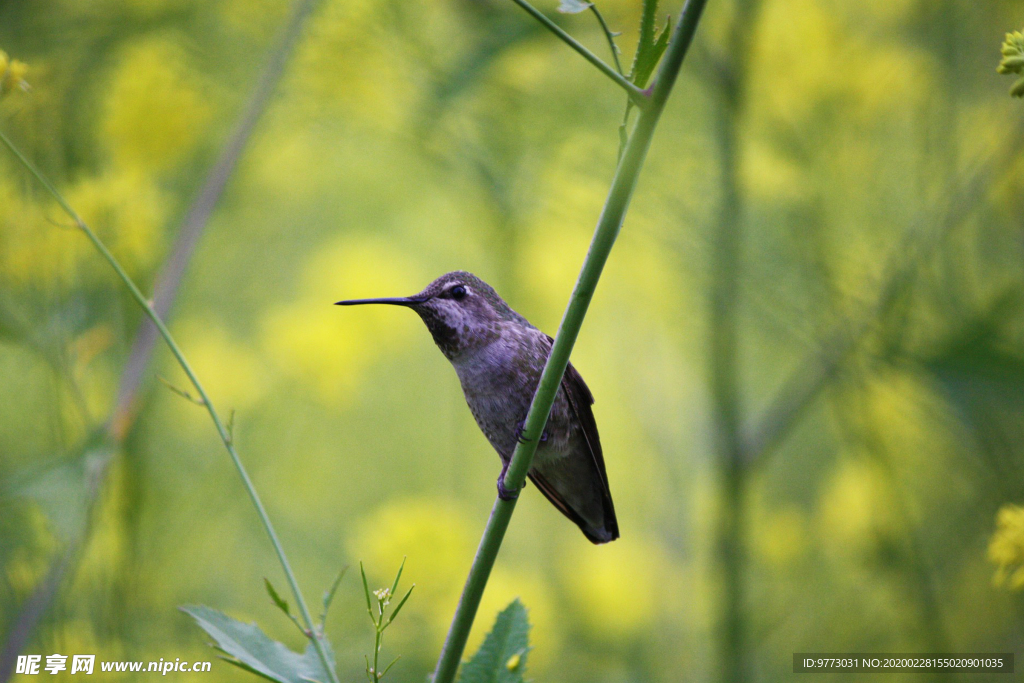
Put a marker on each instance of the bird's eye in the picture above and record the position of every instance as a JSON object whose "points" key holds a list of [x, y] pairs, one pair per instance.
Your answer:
{"points": [[458, 292]]}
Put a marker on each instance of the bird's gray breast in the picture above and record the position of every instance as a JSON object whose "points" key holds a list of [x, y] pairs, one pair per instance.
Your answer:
{"points": [[499, 381]]}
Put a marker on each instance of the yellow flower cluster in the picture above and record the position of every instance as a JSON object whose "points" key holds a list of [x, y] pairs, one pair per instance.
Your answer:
{"points": [[1006, 549], [1013, 61], [12, 74], [156, 106], [125, 208]]}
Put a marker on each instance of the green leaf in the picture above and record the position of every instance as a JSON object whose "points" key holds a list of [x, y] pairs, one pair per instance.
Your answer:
{"points": [[249, 648], [400, 605], [281, 603], [648, 58], [366, 590], [573, 6], [646, 41], [394, 586], [329, 593], [502, 657]]}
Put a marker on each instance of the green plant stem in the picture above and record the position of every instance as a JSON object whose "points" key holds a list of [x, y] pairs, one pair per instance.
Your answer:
{"points": [[225, 436], [609, 36], [725, 406], [607, 230], [376, 648], [724, 371], [198, 215], [635, 93], [119, 423]]}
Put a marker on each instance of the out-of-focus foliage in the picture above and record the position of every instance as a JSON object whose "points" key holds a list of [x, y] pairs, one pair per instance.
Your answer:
{"points": [[12, 74], [1006, 549], [412, 138], [1013, 60]]}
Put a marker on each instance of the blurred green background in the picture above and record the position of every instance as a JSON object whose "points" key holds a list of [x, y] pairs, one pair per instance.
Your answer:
{"points": [[872, 179]]}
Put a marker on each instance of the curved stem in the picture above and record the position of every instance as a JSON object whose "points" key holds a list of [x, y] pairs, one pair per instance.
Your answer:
{"points": [[610, 36], [198, 215], [142, 348], [604, 238], [225, 436], [635, 93]]}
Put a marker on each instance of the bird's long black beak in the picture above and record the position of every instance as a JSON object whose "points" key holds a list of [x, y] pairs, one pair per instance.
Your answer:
{"points": [[394, 301]]}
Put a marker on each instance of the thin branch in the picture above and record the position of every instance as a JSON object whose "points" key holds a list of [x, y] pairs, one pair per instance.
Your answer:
{"points": [[196, 219], [607, 230], [724, 358], [635, 93], [222, 431], [198, 215], [610, 35]]}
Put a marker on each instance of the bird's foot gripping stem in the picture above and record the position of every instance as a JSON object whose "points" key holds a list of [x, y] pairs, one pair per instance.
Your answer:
{"points": [[519, 433], [503, 492]]}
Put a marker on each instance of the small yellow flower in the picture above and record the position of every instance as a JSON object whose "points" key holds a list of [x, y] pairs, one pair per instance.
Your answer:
{"points": [[1006, 549], [12, 74], [16, 71], [156, 106]]}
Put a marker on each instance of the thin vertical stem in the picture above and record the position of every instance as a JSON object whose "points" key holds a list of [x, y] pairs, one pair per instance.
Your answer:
{"points": [[376, 648], [724, 372], [726, 411], [607, 230], [609, 36]]}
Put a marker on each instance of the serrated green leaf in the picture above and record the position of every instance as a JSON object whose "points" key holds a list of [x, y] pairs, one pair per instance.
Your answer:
{"points": [[649, 58], [646, 41], [241, 665], [251, 649], [573, 6], [502, 657], [281, 603]]}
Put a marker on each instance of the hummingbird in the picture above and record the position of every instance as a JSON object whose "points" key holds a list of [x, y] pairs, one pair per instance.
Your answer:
{"points": [[499, 356]]}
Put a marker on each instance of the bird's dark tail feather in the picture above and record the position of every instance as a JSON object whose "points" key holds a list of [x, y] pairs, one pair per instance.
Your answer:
{"points": [[607, 532]]}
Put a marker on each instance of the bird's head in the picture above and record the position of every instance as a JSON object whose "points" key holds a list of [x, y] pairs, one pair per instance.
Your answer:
{"points": [[461, 311]]}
